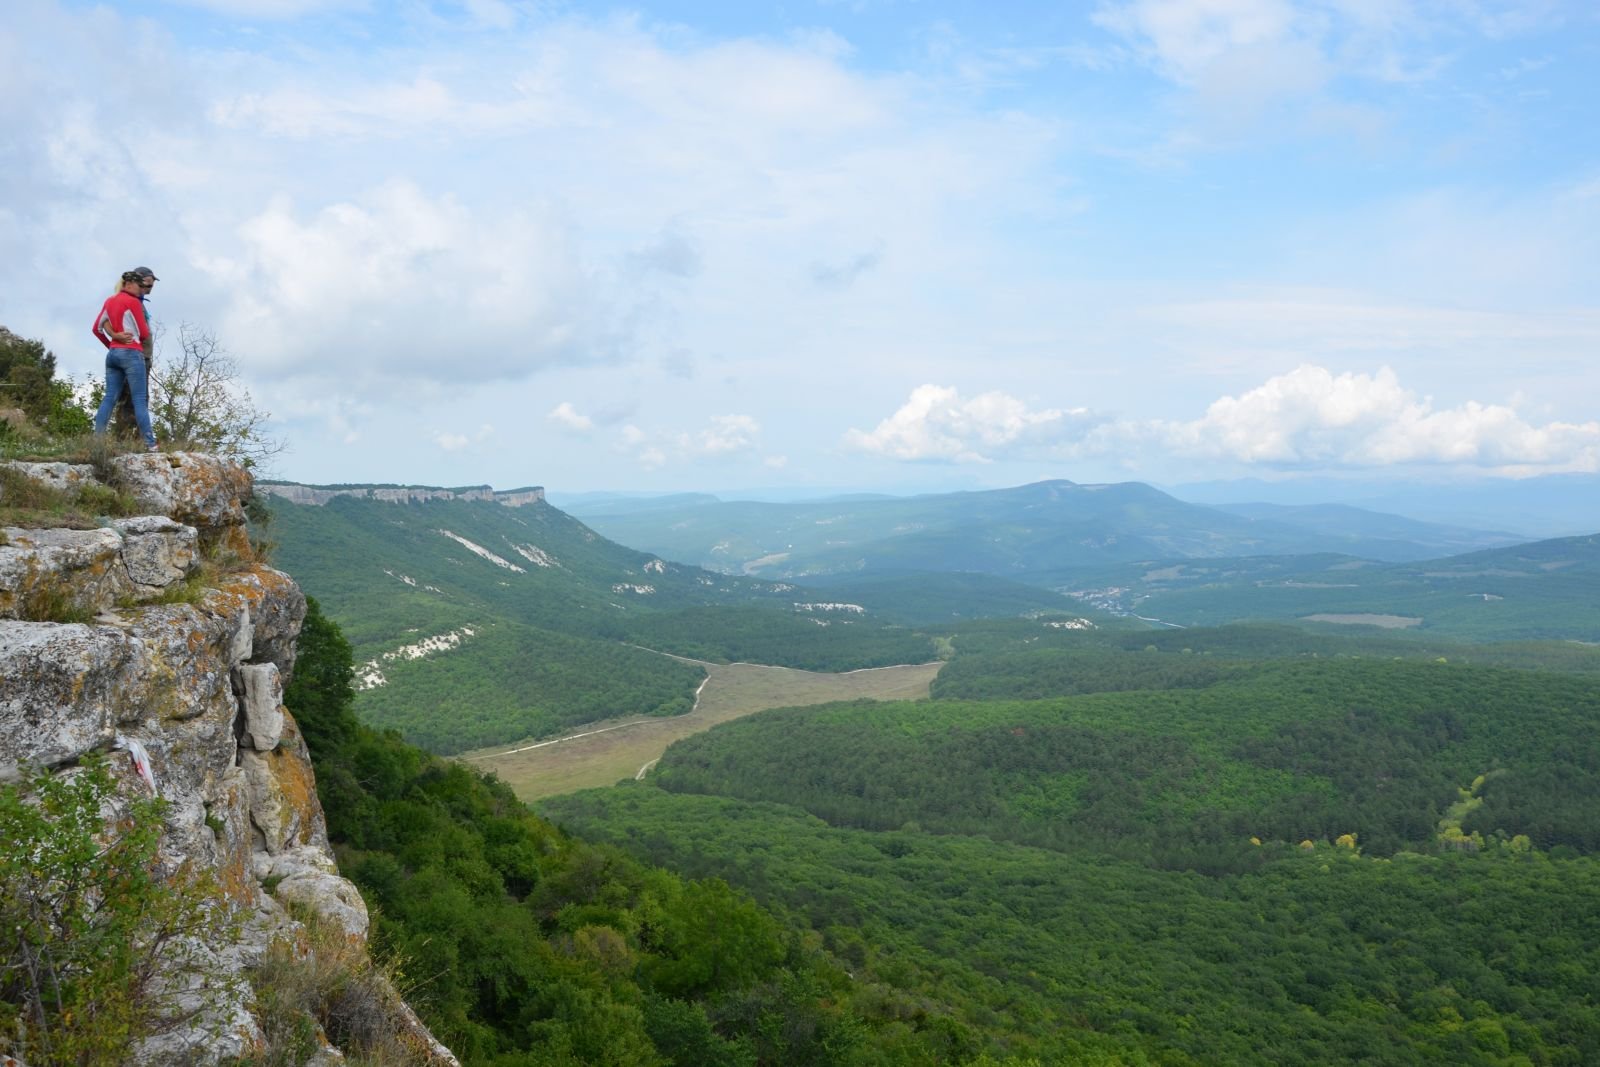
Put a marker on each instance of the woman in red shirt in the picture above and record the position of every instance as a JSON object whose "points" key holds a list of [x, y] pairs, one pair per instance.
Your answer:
{"points": [[122, 328]]}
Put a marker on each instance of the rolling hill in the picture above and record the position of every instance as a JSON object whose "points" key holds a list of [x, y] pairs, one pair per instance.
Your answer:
{"points": [[1543, 506], [523, 620], [1009, 532]]}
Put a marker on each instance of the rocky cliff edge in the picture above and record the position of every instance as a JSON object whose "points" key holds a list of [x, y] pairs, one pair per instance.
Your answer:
{"points": [[178, 678]]}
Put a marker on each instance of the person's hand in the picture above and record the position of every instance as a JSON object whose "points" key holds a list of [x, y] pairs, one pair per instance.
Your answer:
{"points": [[122, 337]]}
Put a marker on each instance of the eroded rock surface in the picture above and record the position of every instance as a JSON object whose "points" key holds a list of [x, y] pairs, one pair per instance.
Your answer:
{"points": [[64, 689], [196, 690], [191, 487], [156, 551], [55, 475]]}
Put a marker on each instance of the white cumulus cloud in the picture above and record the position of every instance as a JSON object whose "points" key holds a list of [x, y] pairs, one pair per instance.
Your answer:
{"points": [[568, 416], [725, 435], [1188, 36], [938, 423], [361, 284], [455, 442], [1312, 416], [272, 9]]}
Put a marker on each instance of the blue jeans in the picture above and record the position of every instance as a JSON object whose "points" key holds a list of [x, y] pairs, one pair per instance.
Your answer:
{"points": [[125, 366]]}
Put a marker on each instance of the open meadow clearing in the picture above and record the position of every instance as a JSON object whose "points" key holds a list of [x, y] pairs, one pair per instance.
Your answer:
{"points": [[603, 753]]}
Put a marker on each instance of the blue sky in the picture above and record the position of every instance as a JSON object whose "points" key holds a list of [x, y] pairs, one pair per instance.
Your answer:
{"points": [[876, 245]]}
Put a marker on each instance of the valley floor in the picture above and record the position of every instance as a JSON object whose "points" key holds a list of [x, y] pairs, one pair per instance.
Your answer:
{"points": [[604, 753]]}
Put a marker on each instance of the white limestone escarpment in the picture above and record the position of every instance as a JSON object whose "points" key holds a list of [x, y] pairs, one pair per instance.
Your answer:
{"points": [[318, 495], [197, 686]]}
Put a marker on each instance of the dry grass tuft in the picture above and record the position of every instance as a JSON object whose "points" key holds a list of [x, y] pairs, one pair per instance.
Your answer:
{"points": [[32, 504], [326, 988]]}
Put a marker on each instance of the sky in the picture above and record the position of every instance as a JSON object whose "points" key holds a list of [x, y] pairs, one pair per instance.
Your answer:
{"points": [[890, 245]]}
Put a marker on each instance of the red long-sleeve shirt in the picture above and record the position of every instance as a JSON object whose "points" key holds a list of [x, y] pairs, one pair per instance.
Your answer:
{"points": [[122, 312]]}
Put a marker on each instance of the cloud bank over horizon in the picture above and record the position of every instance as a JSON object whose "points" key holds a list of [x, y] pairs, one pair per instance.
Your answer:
{"points": [[1309, 418]]}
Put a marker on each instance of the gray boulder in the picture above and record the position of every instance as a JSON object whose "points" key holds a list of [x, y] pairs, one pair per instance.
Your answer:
{"points": [[191, 487], [60, 570], [64, 689], [157, 552]]}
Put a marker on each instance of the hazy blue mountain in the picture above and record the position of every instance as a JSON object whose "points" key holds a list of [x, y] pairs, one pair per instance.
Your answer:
{"points": [[1552, 505], [603, 503], [1009, 532], [1360, 524]]}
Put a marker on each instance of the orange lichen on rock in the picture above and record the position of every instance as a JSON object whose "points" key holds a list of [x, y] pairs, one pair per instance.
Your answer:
{"points": [[290, 765]]}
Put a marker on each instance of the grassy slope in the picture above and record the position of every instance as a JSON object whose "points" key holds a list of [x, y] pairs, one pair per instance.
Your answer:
{"points": [[549, 648]]}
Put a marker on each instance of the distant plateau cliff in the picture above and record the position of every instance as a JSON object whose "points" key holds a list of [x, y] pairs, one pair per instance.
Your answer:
{"points": [[399, 494]]}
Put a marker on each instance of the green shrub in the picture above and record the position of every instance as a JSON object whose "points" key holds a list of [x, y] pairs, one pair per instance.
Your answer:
{"points": [[100, 951], [28, 382], [44, 601]]}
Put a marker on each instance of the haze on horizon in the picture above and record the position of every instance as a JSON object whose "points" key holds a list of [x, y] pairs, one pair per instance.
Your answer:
{"points": [[884, 246]]}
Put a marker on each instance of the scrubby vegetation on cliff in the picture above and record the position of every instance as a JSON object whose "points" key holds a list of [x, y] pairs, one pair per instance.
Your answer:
{"points": [[99, 951]]}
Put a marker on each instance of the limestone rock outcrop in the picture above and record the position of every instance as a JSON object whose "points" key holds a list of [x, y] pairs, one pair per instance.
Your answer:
{"points": [[194, 685], [318, 495]]}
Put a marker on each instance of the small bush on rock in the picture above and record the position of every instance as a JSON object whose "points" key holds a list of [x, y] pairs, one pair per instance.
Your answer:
{"points": [[100, 951]]}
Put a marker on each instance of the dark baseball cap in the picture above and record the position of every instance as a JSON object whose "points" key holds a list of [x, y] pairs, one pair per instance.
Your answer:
{"points": [[145, 272]]}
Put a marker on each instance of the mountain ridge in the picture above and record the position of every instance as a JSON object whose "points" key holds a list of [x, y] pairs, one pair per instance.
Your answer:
{"points": [[1012, 532]]}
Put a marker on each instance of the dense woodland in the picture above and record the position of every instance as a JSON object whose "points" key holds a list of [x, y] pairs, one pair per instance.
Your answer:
{"points": [[1301, 850], [810, 642], [1305, 750], [1321, 955], [1541, 591], [936, 598], [1258, 844], [523, 681], [525, 947]]}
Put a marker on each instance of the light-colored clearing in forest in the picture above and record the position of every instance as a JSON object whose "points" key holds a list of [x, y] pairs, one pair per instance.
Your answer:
{"points": [[603, 753], [1388, 622]]}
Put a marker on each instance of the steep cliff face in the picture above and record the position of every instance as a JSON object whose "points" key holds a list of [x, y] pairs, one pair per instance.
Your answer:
{"points": [[400, 494], [179, 678]]}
